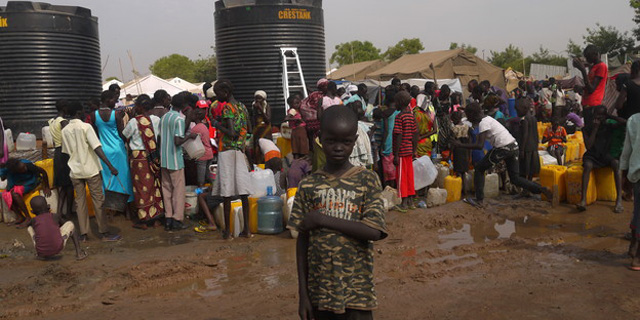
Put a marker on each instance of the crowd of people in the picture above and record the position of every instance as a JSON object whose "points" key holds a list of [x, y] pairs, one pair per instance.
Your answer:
{"points": [[345, 148]]}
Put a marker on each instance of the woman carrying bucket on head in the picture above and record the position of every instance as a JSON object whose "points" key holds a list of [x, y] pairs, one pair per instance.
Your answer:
{"points": [[145, 164], [109, 126]]}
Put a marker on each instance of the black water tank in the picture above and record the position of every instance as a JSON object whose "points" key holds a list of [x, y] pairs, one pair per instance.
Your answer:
{"points": [[47, 52], [249, 35]]}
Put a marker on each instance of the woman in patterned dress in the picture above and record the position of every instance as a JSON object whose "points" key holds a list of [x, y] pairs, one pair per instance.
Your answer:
{"points": [[145, 163]]}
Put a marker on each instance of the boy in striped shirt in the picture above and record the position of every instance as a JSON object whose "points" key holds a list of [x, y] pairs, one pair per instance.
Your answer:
{"points": [[405, 140]]}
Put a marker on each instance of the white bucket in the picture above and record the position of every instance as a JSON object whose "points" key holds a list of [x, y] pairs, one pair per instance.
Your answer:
{"points": [[191, 204]]}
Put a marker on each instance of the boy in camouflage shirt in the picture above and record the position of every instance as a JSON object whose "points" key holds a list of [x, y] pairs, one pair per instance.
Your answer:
{"points": [[339, 213]]}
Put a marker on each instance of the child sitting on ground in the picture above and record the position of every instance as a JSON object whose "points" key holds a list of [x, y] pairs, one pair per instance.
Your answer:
{"points": [[338, 211], [556, 136], [22, 178], [49, 233], [461, 133], [597, 140]]}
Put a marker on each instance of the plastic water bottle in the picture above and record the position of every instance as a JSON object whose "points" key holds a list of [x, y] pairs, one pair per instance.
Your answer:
{"points": [[199, 191]]}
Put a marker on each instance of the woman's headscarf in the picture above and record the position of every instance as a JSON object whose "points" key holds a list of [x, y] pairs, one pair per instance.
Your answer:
{"points": [[263, 104], [322, 84]]}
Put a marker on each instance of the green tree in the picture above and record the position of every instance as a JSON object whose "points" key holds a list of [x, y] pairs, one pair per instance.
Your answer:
{"points": [[206, 69], [510, 57], [609, 40], [635, 4], [471, 49], [543, 56], [574, 49], [354, 52], [112, 78], [174, 65], [404, 46]]}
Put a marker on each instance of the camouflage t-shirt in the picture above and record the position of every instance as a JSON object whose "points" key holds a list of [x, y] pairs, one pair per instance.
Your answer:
{"points": [[340, 267]]}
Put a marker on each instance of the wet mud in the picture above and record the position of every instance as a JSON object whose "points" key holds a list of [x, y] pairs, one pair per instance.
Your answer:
{"points": [[515, 259]]}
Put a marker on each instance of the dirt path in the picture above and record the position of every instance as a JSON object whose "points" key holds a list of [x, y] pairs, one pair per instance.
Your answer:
{"points": [[514, 260]]}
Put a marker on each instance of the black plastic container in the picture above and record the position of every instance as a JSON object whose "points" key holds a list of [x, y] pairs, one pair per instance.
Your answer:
{"points": [[249, 35], [47, 52]]}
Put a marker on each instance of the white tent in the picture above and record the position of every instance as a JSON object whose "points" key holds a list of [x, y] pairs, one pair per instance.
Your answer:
{"points": [[148, 85], [184, 84], [105, 86]]}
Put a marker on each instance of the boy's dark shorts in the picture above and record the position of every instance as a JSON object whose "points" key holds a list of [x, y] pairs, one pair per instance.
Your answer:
{"points": [[350, 314], [213, 201]]}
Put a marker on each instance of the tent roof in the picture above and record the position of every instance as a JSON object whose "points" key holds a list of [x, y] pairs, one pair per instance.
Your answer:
{"points": [[105, 85], [457, 63], [148, 85], [181, 83], [356, 71]]}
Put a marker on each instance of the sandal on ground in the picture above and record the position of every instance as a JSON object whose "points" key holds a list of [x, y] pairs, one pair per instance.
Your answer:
{"points": [[83, 238], [399, 209], [473, 202], [227, 235], [203, 223], [618, 209], [83, 255], [204, 229], [581, 208], [632, 268]]}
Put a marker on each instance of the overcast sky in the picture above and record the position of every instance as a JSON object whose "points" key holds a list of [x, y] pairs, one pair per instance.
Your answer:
{"points": [[152, 29]]}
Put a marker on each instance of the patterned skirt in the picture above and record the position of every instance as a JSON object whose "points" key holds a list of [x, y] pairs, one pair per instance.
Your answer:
{"points": [[146, 187]]}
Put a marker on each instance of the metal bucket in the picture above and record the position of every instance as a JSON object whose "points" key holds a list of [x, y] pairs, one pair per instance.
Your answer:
{"points": [[115, 201]]}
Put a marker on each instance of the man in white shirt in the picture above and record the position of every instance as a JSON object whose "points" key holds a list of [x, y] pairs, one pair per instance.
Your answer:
{"points": [[504, 148], [81, 143]]}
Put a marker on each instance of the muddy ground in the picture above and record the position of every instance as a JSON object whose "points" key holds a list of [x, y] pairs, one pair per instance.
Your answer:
{"points": [[517, 259]]}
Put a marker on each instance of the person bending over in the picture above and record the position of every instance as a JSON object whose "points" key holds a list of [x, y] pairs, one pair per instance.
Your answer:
{"points": [[505, 148]]}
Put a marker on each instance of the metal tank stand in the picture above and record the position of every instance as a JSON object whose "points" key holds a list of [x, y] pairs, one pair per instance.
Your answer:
{"points": [[296, 81]]}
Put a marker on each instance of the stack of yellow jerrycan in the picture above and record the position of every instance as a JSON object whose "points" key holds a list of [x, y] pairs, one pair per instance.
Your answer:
{"points": [[574, 186], [554, 175]]}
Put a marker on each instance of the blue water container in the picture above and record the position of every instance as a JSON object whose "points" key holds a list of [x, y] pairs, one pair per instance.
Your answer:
{"points": [[512, 108], [270, 214]]}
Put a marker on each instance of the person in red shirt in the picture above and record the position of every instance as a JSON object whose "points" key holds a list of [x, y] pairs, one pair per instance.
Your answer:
{"points": [[594, 82], [556, 136], [49, 233], [405, 140]]}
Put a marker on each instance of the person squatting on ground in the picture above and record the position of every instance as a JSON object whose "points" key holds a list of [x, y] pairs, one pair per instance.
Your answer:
{"points": [[338, 211], [49, 232], [505, 148], [23, 177]]}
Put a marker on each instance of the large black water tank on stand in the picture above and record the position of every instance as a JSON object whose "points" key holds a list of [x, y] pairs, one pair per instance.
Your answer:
{"points": [[249, 35], [47, 52]]}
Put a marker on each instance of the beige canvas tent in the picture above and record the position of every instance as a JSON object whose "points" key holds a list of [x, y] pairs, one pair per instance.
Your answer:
{"points": [[449, 64], [356, 71]]}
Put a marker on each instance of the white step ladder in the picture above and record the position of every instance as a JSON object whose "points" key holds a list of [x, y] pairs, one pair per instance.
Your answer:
{"points": [[290, 55]]}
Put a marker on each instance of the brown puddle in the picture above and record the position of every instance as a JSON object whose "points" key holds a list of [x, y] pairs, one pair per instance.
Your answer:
{"points": [[258, 269]]}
